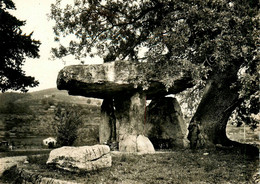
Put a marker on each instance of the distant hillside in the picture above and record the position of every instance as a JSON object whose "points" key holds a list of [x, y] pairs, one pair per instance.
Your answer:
{"points": [[38, 96], [62, 95], [23, 116]]}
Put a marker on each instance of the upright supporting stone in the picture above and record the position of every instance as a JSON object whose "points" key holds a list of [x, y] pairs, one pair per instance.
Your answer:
{"points": [[130, 114], [165, 125], [107, 127], [130, 120]]}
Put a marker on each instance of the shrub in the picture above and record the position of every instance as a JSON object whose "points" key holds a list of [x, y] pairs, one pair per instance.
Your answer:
{"points": [[68, 119]]}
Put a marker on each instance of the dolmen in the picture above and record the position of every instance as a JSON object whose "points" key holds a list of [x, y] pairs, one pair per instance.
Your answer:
{"points": [[124, 111]]}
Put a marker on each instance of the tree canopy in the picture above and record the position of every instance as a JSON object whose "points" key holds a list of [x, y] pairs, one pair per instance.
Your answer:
{"points": [[199, 36], [15, 47]]}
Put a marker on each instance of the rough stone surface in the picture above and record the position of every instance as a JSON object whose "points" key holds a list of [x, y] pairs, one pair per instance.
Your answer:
{"points": [[130, 114], [29, 177], [9, 162], [165, 125], [113, 79], [84, 158], [122, 116], [123, 108], [144, 145], [107, 127], [134, 143], [128, 143]]}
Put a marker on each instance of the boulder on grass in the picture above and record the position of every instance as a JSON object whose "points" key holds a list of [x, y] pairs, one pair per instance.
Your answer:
{"points": [[9, 162], [134, 143], [144, 145], [128, 144], [84, 158]]}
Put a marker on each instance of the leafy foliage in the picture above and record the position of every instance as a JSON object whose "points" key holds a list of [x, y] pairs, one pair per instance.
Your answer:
{"points": [[247, 112], [250, 81], [68, 119], [189, 100], [200, 31], [15, 46], [9, 104], [197, 36]]}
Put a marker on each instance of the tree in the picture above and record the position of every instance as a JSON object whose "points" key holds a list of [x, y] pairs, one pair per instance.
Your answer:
{"points": [[67, 120], [212, 40], [9, 104], [15, 46]]}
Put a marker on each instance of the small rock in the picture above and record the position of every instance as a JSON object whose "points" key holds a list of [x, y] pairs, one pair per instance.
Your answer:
{"points": [[205, 154], [26, 162]]}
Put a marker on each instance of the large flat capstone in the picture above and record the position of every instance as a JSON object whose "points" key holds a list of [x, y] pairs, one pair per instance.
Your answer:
{"points": [[109, 80]]}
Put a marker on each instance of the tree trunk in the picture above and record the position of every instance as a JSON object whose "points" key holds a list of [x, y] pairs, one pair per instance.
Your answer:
{"points": [[208, 126]]}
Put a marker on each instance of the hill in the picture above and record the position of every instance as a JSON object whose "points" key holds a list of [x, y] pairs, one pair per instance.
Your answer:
{"points": [[61, 95], [27, 115], [48, 94]]}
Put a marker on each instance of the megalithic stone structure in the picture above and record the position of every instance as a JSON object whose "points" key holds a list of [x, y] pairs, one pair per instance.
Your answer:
{"points": [[124, 101]]}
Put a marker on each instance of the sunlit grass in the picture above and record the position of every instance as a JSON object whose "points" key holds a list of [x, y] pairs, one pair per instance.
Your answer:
{"points": [[179, 166]]}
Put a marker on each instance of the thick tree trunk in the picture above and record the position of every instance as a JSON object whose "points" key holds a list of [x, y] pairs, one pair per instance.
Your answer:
{"points": [[208, 126]]}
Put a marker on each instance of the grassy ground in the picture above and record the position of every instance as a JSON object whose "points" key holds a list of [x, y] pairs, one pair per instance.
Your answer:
{"points": [[23, 153], [178, 166], [181, 166], [243, 134]]}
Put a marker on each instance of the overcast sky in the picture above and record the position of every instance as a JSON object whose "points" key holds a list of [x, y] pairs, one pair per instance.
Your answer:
{"points": [[34, 12]]}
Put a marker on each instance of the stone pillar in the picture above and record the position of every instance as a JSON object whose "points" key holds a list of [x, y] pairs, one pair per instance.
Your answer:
{"points": [[107, 127], [165, 125], [129, 111], [130, 114]]}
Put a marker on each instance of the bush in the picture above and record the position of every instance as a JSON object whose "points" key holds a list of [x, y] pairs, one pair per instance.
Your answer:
{"points": [[68, 119]]}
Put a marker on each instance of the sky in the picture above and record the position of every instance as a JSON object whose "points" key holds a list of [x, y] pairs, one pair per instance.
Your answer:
{"points": [[45, 70]]}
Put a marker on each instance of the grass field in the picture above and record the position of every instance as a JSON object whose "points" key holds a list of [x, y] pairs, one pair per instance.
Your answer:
{"points": [[179, 166], [176, 166], [24, 153], [243, 134]]}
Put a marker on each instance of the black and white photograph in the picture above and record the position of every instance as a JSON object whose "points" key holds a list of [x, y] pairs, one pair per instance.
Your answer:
{"points": [[129, 91]]}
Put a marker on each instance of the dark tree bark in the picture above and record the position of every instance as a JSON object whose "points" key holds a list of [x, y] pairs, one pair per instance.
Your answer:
{"points": [[208, 126]]}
